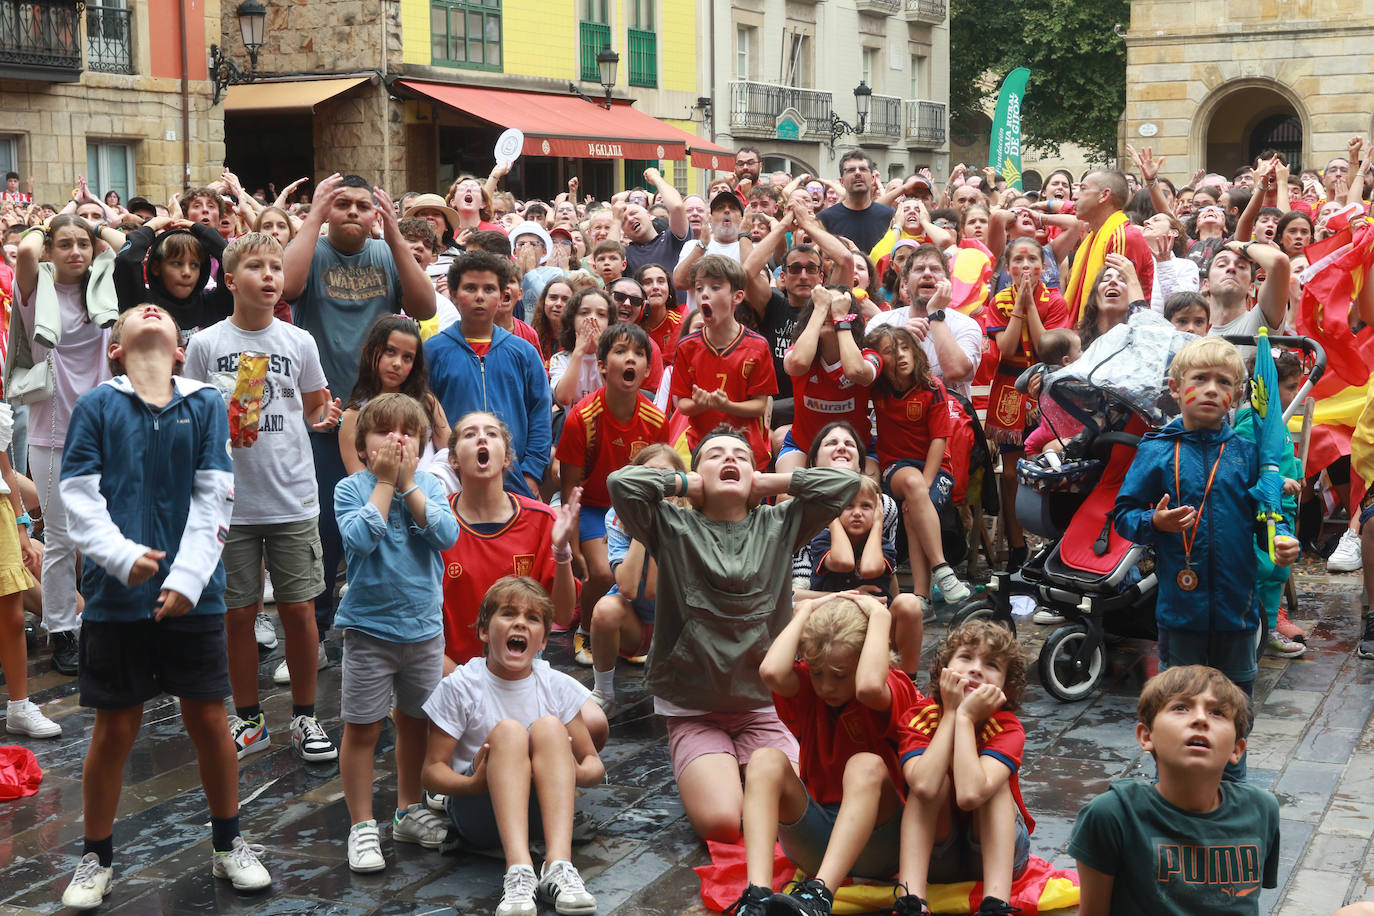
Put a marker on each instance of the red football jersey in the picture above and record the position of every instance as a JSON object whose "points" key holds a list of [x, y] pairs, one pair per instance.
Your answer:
{"points": [[471, 566], [743, 368], [907, 423], [829, 737], [664, 334], [824, 395], [593, 440], [1001, 737]]}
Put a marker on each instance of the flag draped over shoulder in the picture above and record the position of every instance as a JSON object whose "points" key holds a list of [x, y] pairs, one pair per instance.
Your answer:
{"points": [[1333, 279], [1089, 260]]}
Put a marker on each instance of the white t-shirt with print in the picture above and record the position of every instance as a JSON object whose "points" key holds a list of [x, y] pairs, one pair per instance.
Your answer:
{"points": [[274, 478]]}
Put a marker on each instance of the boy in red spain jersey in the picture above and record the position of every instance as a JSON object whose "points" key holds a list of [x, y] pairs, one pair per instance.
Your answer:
{"points": [[724, 372]]}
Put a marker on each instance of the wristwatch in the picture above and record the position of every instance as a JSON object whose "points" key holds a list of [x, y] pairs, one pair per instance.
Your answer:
{"points": [[937, 315]]}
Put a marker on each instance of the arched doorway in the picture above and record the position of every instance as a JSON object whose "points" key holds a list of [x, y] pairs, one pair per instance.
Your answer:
{"points": [[1245, 118]]}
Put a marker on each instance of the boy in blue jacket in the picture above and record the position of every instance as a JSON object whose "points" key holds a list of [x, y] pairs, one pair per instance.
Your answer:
{"points": [[1187, 494], [147, 471], [475, 365]]}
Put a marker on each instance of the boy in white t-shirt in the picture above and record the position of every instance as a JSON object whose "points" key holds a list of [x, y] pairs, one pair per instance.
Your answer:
{"points": [[276, 509], [508, 746]]}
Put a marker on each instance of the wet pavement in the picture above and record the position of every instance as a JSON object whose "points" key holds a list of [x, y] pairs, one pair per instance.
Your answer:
{"points": [[1313, 745]]}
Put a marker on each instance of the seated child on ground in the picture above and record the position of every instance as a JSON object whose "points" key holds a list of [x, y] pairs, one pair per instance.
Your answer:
{"points": [[1192, 842], [851, 553], [961, 750], [504, 729], [844, 703]]}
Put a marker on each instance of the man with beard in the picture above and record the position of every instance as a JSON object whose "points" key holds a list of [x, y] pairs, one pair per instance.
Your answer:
{"points": [[775, 311], [747, 164], [952, 341], [858, 217], [1227, 288], [644, 244]]}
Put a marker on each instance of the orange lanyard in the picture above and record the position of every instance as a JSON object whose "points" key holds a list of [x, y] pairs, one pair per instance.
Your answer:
{"points": [[1188, 542]]}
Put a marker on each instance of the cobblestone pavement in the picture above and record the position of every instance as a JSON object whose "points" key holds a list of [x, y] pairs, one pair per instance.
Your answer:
{"points": [[1313, 744]]}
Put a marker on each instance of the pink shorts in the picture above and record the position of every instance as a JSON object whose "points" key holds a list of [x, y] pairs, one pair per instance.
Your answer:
{"points": [[736, 733]]}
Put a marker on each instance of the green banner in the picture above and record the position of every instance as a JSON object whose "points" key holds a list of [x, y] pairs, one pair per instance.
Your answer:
{"points": [[1004, 151]]}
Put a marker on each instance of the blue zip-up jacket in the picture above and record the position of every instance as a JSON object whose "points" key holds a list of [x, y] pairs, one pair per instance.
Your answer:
{"points": [[395, 567], [509, 382], [1223, 555], [136, 478]]}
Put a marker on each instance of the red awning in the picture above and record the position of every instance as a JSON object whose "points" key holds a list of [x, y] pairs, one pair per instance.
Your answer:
{"points": [[564, 125]]}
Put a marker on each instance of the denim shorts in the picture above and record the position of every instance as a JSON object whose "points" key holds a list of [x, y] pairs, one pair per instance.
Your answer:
{"points": [[805, 841], [959, 856], [940, 490]]}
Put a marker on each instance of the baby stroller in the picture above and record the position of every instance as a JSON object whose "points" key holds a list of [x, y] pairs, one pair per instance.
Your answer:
{"points": [[1098, 581]]}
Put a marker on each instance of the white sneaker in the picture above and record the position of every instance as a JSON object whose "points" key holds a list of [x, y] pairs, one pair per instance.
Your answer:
{"points": [[606, 703], [241, 866], [90, 884], [420, 826], [365, 848], [951, 589], [265, 633], [282, 675], [1048, 618], [437, 803], [517, 896], [562, 886], [1346, 557], [22, 717], [309, 740], [250, 735], [267, 595]]}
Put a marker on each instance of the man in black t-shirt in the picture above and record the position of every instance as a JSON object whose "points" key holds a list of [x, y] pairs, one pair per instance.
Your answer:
{"points": [[644, 243], [858, 217]]}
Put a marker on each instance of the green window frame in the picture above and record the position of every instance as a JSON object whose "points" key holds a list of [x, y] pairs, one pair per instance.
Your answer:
{"points": [[466, 33], [591, 38]]}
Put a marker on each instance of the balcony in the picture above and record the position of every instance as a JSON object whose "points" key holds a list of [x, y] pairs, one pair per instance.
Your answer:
{"points": [[754, 109], [591, 38], [879, 7], [884, 123], [108, 46], [40, 40], [925, 124], [643, 58], [932, 11]]}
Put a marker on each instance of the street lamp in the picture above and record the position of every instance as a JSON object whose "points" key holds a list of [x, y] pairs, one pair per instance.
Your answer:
{"points": [[252, 17], [863, 97], [607, 63]]}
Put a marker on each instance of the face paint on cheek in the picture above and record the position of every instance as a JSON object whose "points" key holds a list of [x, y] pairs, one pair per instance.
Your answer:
{"points": [[1190, 394], [1226, 401]]}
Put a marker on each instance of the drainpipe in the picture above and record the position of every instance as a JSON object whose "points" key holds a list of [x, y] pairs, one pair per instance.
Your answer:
{"points": [[386, 105], [185, 99]]}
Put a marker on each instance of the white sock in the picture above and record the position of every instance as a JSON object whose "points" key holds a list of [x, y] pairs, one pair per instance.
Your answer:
{"points": [[604, 681]]}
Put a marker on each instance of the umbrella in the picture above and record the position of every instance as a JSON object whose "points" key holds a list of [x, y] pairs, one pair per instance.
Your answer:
{"points": [[1271, 435]]}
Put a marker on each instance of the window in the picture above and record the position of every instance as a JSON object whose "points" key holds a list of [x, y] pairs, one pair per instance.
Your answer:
{"points": [[596, 11], [593, 34], [917, 65], [870, 66], [643, 44], [798, 64], [9, 154], [744, 52], [466, 33], [110, 167], [108, 49]]}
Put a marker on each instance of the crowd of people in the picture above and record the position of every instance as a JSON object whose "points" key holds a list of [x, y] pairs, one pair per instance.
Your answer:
{"points": [[698, 432]]}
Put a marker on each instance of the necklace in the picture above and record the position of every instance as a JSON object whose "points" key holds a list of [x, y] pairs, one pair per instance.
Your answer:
{"points": [[1187, 579]]}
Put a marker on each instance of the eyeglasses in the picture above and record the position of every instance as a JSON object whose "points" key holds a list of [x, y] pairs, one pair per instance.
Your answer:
{"points": [[622, 297], [795, 269]]}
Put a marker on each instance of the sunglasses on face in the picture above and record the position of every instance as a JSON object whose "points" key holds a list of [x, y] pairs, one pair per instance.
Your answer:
{"points": [[795, 269], [623, 297]]}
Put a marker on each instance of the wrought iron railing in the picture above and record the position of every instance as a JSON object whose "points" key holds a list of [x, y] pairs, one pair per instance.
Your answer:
{"points": [[109, 47], [882, 7], [927, 10], [884, 117], [41, 39], [925, 122], [754, 107]]}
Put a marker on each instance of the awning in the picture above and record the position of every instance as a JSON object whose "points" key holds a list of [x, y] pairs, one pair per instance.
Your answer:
{"points": [[565, 125], [705, 154], [296, 95]]}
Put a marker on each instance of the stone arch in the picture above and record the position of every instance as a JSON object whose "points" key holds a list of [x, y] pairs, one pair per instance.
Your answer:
{"points": [[1226, 119]]}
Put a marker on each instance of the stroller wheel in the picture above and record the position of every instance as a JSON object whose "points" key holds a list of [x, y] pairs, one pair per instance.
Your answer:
{"points": [[1064, 680], [981, 609]]}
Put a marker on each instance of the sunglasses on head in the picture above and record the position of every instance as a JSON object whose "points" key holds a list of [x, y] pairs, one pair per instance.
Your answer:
{"points": [[620, 296]]}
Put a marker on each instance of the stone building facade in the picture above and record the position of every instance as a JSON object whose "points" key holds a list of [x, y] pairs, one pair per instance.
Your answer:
{"points": [[1210, 83], [97, 90]]}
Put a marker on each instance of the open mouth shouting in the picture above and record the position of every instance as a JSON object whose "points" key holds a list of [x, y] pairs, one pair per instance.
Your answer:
{"points": [[483, 457], [730, 472]]}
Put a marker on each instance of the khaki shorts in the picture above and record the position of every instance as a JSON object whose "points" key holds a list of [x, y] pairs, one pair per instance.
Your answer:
{"points": [[294, 557]]}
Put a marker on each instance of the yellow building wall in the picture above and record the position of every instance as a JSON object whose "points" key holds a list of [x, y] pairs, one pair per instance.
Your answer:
{"points": [[539, 37], [677, 47], [415, 46]]}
